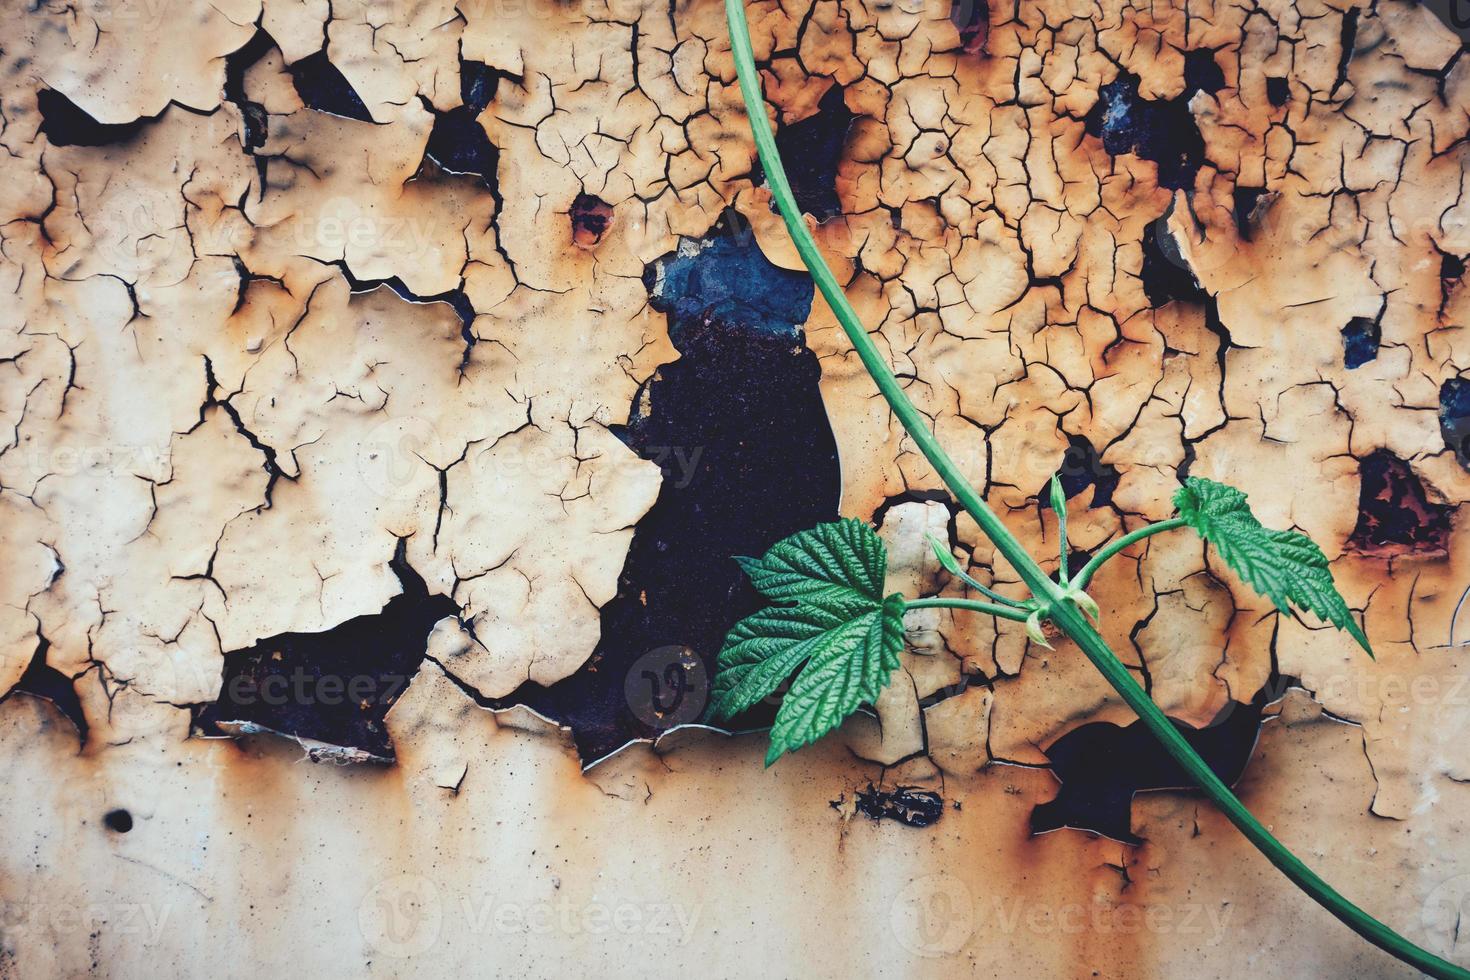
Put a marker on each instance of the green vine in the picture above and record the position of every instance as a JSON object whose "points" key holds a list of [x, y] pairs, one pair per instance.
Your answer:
{"points": [[830, 624]]}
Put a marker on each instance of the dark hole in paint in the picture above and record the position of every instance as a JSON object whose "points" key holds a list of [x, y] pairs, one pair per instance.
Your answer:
{"points": [[1451, 266], [1360, 340], [1454, 417], [335, 686], [1101, 766], [591, 217], [908, 805], [1395, 516], [913, 497], [812, 149], [1246, 199], [1082, 468], [43, 681], [118, 821], [253, 114], [1076, 559], [972, 18], [324, 88], [458, 143], [477, 84], [1202, 73], [1348, 36], [64, 123], [1278, 90], [1166, 276], [726, 285], [1164, 130], [738, 428]]}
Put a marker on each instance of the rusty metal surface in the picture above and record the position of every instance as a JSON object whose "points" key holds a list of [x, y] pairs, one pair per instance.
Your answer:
{"points": [[384, 385]]}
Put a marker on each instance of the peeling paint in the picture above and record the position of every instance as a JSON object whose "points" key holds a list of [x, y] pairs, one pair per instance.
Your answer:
{"points": [[1122, 245]]}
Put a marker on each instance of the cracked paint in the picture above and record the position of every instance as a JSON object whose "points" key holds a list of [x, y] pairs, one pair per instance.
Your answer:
{"points": [[317, 309]]}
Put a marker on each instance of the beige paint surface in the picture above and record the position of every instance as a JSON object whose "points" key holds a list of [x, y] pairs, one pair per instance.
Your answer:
{"points": [[153, 403]]}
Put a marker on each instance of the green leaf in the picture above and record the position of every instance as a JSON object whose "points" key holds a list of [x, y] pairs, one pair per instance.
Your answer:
{"points": [[950, 565], [1284, 566], [830, 619], [946, 557], [1058, 498], [1086, 603], [1034, 630], [843, 557]]}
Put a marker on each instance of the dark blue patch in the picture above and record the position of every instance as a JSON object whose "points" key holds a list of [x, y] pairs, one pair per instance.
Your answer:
{"points": [[909, 805], [477, 84], [1166, 276], [1360, 340], [1451, 266], [1395, 515], [738, 427], [812, 149], [1102, 766], [41, 680], [1348, 38], [335, 686], [1202, 73], [726, 278], [1164, 130], [64, 123], [1278, 90], [1081, 468], [1454, 417], [324, 88], [458, 143]]}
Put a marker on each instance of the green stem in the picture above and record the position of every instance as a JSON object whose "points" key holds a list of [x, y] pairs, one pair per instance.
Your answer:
{"points": [[1059, 507], [1127, 540], [991, 593], [1074, 624], [1064, 614], [912, 420], [1004, 612]]}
